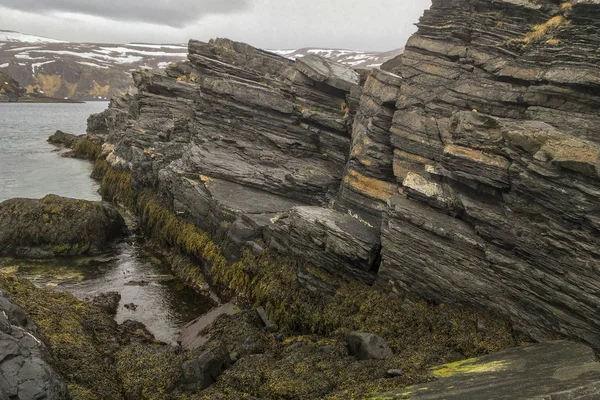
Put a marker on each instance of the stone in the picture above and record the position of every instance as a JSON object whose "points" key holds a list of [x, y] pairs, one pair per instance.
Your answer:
{"points": [[323, 70], [203, 371], [191, 338], [368, 346], [109, 302], [24, 372], [64, 139], [394, 372], [551, 370], [57, 226], [269, 326]]}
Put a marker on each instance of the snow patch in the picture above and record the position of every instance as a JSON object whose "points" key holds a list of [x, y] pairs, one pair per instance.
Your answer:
{"points": [[89, 64], [37, 65], [4, 65]]}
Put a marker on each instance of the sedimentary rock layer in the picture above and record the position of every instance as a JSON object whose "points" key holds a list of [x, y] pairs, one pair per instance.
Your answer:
{"points": [[469, 173]]}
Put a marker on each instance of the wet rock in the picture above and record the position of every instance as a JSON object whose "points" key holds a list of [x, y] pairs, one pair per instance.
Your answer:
{"points": [[109, 302], [64, 139], [57, 226], [368, 346], [24, 372], [269, 326], [191, 336], [203, 371], [554, 370]]}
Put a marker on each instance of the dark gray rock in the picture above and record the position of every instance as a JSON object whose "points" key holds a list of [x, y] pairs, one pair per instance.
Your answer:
{"points": [[64, 139], [323, 70], [554, 370], [269, 326], [109, 302], [24, 373], [368, 346], [203, 371], [57, 226]]}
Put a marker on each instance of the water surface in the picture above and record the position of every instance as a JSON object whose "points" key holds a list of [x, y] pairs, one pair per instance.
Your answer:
{"points": [[30, 167]]}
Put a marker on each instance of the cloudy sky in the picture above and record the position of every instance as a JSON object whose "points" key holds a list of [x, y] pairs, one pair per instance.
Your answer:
{"points": [[276, 24]]}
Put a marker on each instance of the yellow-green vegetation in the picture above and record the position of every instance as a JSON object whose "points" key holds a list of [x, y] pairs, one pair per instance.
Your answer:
{"points": [[541, 31], [270, 280], [77, 336], [161, 224], [87, 148], [469, 366], [148, 372]]}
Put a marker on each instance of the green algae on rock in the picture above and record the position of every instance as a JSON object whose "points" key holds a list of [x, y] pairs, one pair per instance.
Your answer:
{"points": [[57, 226]]}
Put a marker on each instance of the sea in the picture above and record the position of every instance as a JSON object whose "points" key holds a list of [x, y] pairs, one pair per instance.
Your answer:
{"points": [[30, 167]]}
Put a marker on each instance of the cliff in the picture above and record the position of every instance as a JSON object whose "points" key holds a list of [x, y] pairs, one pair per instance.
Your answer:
{"points": [[468, 174]]}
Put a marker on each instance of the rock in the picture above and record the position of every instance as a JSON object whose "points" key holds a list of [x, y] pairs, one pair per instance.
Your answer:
{"points": [[467, 174], [64, 139], [368, 346], [394, 372], [24, 372], [191, 338], [109, 302], [57, 226], [269, 326], [553, 370], [203, 371], [131, 306], [323, 70]]}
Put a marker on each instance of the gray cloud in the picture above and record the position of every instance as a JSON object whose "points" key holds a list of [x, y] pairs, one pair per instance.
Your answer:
{"points": [[174, 13], [273, 24]]}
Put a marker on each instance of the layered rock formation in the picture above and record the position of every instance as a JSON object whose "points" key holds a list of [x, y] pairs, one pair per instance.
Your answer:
{"points": [[468, 174]]}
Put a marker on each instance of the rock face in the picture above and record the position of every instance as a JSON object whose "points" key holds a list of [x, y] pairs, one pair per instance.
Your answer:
{"points": [[24, 373], [468, 174], [553, 370], [56, 226]]}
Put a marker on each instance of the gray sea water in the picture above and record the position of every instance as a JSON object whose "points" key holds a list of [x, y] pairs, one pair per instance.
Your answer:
{"points": [[30, 167]]}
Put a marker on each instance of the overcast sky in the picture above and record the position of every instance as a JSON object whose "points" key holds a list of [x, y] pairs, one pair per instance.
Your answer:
{"points": [[275, 24]]}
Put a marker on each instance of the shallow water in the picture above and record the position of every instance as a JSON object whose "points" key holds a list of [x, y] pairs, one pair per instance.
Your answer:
{"points": [[30, 167], [162, 302]]}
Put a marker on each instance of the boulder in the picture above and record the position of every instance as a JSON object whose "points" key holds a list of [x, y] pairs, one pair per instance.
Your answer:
{"points": [[64, 139], [24, 372], [203, 371], [368, 346], [57, 226]]}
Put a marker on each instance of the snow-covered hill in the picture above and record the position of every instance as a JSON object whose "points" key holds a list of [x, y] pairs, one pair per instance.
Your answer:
{"points": [[89, 71], [12, 36], [355, 59]]}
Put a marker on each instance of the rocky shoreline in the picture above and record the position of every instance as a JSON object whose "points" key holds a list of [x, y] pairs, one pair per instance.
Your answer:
{"points": [[367, 232]]}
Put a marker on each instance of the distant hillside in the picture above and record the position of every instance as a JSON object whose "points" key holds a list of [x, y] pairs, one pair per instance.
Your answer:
{"points": [[9, 88], [95, 71]]}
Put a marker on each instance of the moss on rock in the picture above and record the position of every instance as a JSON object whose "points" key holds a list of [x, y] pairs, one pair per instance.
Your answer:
{"points": [[57, 226]]}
